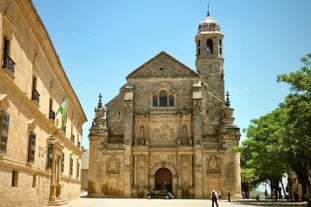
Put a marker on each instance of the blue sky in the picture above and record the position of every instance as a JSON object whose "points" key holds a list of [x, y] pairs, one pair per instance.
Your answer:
{"points": [[100, 42]]}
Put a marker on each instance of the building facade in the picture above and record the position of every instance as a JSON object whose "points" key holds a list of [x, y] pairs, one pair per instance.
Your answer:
{"points": [[40, 154], [170, 128]]}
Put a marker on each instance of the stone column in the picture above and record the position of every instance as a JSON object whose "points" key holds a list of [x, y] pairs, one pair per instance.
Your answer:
{"points": [[197, 162], [53, 177], [59, 174], [128, 140]]}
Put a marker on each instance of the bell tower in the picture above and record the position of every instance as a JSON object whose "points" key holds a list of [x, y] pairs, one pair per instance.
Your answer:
{"points": [[210, 65], [209, 55]]}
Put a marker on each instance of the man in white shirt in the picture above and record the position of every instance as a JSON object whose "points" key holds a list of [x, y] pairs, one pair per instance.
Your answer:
{"points": [[214, 198]]}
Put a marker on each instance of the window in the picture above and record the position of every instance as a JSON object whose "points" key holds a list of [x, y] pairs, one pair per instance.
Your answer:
{"points": [[32, 147], [155, 100], [35, 94], [220, 48], [78, 170], [14, 178], [209, 46], [198, 47], [4, 130], [5, 51], [50, 156], [63, 162], [51, 112], [163, 98], [171, 100], [7, 62], [71, 167]]}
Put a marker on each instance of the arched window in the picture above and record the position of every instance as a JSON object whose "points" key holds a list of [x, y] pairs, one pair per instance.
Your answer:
{"points": [[155, 100], [163, 98], [209, 46], [171, 100]]}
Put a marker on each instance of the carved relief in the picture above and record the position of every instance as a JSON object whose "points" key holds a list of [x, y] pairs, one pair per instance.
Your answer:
{"points": [[129, 107], [163, 158], [113, 165], [197, 106], [164, 133], [212, 164], [184, 136]]}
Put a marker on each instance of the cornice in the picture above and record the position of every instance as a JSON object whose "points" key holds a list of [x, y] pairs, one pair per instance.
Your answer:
{"points": [[35, 23]]}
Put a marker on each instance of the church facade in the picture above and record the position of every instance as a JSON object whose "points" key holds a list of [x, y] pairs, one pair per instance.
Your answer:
{"points": [[169, 128]]}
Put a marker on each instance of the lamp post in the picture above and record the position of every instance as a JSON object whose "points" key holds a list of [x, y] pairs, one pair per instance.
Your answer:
{"points": [[51, 142]]}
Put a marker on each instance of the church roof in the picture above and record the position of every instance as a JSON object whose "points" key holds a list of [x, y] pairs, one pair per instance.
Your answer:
{"points": [[163, 66]]}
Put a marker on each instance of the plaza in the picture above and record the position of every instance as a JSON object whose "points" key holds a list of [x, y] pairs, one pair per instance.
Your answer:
{"points": [[92, 202]]}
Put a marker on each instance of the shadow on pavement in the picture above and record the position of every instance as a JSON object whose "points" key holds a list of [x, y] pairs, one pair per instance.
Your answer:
{"points": [[280, 203]]}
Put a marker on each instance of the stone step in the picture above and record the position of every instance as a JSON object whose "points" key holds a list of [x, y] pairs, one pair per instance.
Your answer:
{"points": [[57, 202]]}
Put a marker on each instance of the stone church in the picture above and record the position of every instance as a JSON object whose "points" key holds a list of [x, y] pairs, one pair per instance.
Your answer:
{"points": [[170, 128]]}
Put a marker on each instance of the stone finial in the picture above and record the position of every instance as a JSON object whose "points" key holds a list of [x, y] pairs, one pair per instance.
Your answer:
{"points": [[100, 105], [227, 100]]}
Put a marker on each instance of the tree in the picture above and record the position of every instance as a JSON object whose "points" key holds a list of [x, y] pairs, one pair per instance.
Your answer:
{"points": [[281, 140], [262, 159], [297, 143]]}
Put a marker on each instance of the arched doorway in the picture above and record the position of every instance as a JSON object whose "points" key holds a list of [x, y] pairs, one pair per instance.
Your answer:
{"points": [[163, 179]]}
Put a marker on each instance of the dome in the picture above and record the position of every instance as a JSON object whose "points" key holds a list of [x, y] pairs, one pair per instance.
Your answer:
{"points": [[208, 25]]}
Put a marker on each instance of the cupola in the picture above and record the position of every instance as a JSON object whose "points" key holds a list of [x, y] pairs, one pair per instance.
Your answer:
{"points": [[208, 25]]}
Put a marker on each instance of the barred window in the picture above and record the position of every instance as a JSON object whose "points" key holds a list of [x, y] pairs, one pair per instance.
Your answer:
{"points": [[4, 130], [32, 147]]}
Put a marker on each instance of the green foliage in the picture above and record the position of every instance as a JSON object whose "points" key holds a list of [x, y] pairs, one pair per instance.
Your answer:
{"points": [[261, 154], [281, 140]]}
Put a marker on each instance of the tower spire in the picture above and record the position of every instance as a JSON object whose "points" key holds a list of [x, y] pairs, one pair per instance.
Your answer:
{"points": [[208, 14]]}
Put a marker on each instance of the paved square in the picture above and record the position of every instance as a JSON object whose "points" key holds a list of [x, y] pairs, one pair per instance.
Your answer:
{"points": [[108, 202]]}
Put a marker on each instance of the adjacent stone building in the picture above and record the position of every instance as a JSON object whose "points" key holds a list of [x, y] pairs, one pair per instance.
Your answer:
{"points": [[169, 128], [40, 156]]}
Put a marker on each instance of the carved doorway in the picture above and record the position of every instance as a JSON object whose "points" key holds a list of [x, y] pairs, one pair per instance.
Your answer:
{"points": [[163, 179]]}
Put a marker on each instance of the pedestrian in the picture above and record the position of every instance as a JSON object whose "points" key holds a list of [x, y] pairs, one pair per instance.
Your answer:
{"points": [[266, 194], [214, 198], [229, 195]]}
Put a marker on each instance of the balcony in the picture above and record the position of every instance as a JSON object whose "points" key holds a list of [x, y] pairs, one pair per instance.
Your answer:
{"points": [[8, 63], [35, 96], [52, 115]]}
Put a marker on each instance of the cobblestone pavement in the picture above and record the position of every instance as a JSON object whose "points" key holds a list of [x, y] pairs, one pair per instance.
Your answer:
{"points": [[92, 202]]}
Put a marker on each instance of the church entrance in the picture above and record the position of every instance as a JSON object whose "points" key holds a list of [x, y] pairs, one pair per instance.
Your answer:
{"points": [[163, 179]]}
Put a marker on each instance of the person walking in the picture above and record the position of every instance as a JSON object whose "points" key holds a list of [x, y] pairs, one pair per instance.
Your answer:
{"points": [[229, 196], [214, 198]]}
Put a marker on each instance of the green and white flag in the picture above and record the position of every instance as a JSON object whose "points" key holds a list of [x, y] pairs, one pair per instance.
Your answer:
{"points": [[63, 110]]}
